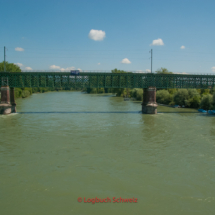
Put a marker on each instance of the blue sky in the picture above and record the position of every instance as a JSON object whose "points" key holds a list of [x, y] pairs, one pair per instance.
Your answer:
{"points": [[108, 34]]}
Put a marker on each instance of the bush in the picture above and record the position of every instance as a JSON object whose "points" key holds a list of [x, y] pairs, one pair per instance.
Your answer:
{"points": [[172, 91], [137, 94], [35, 90], [180, 96], [25, 93], [119, 91], [207, 102], [101, 90], [214, 100], [163, 97], [194, 99], [18, 92]]}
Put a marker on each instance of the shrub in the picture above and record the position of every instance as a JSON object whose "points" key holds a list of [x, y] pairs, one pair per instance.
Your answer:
{"points": [[194, 98], [214, 100], [18, 92], [163, 97], [172, 91], [137, 94], [180, 96], [25, 93], [207, 102], [101, 90]]}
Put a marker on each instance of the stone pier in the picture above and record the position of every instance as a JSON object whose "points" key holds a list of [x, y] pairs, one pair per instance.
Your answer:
{"points": [[149, 104], [7, 104]]}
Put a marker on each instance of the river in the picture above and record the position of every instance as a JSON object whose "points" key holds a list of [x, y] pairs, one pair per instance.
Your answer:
{"points": [[64, 145]]}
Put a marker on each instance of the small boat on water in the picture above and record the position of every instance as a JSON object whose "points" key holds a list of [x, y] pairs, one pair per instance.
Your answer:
{"points": [[202, 111], [211, 112]]}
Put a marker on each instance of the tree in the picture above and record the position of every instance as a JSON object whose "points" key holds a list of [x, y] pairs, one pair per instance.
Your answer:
{"points": [[194, 98], [163, 97], [172, 90], [180, 96], [137, 93], [10, 67], [207, 102], [214, 101], [118, 71], [163, 71]]}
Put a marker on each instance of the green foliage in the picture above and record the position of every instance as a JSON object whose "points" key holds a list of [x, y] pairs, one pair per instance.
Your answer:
{"points": [[189, 98], [180, 96], [163, 97], [91, 90], [172, 90], [35, 89], [194, 99], [212, 91], [207, 102], [204, 91], [18, 92], [10, 67], [214, 100], [25, 93], [101, 90], [137, 93], [119, 91], [163, 71], [118, 71]]}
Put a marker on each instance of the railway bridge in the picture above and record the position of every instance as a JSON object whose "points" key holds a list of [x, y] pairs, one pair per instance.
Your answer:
{"points": [[149, 82]]}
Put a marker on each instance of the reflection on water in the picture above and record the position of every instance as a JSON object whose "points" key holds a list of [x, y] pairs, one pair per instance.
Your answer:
{"points": [[104, 147]]}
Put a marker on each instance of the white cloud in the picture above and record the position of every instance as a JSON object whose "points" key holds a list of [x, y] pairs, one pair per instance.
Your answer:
{"points": [[125, 61], [140, 71], [213, 69], [19, 64], [158, 42], [23, 66], [96, 35], [79, 69], [19, 49], [99, 63], [148, 70], [182, 47], [54, 67], [66, 69], [63, 69], [180, 73]]}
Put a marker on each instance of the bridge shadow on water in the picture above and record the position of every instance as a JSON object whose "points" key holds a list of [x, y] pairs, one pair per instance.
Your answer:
{"points": [[72, 112]]}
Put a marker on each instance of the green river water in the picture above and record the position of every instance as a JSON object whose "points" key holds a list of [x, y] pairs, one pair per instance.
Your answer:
{"points": [[65, 145]]}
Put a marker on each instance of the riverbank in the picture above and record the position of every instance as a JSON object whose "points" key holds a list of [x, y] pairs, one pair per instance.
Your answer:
{"points": [[26, 92]]}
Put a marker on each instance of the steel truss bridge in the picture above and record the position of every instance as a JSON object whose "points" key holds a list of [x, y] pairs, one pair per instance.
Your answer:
{"points": [[105, 80]]}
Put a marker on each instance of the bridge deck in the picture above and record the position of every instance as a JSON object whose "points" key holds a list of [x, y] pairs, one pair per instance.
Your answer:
{"points": [[107, 80]]}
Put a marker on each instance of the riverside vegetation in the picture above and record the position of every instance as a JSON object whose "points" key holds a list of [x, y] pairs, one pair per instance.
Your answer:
{"points": [[27, 91], [191, 98]]}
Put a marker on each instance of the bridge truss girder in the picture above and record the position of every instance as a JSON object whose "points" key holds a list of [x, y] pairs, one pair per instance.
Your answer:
{"points": [[107, 80]]}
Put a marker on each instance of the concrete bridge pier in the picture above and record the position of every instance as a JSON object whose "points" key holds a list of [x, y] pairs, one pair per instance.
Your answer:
{"points": [[7, 104], [149, 105]]}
